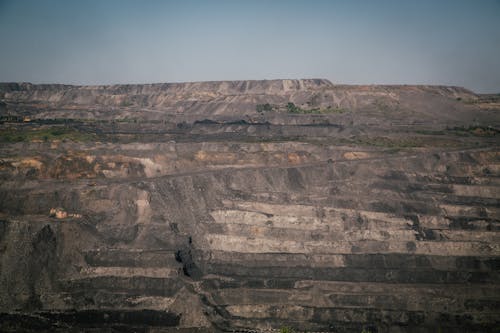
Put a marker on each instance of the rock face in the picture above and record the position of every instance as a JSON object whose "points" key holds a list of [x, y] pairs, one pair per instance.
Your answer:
{"points": [[191, 206]]}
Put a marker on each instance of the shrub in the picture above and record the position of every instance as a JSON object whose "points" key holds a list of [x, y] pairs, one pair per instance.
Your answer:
{"points": [[286, 329], [292, 108]]}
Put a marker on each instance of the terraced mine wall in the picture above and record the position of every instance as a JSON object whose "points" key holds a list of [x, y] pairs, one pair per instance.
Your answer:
{"points": [[191, 207]]}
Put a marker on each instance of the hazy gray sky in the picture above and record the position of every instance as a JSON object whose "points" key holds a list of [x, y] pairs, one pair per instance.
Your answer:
{"points": [[352, 41]]}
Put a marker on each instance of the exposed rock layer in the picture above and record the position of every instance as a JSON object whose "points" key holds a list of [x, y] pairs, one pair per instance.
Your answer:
{"points": [[180, 206]]}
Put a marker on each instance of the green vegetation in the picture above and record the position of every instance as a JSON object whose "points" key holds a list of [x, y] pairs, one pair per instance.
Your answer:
{"points": [[386, 142], [470, 101], [126, 120], [482, 131], [45, 134], [396, 143], [286, 329], [292, 108]]}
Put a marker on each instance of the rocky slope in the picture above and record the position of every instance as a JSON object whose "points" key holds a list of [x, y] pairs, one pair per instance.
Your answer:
{"points": [[196, 207]]}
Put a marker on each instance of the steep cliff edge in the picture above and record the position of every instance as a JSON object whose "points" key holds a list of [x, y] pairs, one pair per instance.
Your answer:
{"points": [[249, 205]]}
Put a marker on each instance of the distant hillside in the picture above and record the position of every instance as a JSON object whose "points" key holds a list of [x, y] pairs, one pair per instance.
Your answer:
{"points": [[237, 100]]}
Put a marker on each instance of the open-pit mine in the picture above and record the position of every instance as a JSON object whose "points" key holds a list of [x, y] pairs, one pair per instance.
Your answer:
{"points": [[249, 206]]}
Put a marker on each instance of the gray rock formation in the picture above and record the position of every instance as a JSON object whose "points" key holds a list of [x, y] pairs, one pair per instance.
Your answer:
{"points": [[249, 205]]}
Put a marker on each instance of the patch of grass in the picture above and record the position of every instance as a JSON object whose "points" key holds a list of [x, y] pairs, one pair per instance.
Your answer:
{"points": [[481, 131], [268, 139], [470, 101], [292, 108], [126, 120], [385, 142], [395, 144], [286, 329], [45, 134]]}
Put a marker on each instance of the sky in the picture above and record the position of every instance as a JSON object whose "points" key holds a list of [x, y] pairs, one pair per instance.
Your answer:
{"points": [[449, 42]]}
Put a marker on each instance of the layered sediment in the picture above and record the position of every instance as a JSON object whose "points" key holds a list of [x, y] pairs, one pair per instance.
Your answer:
{"points": [[191, 206]]}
